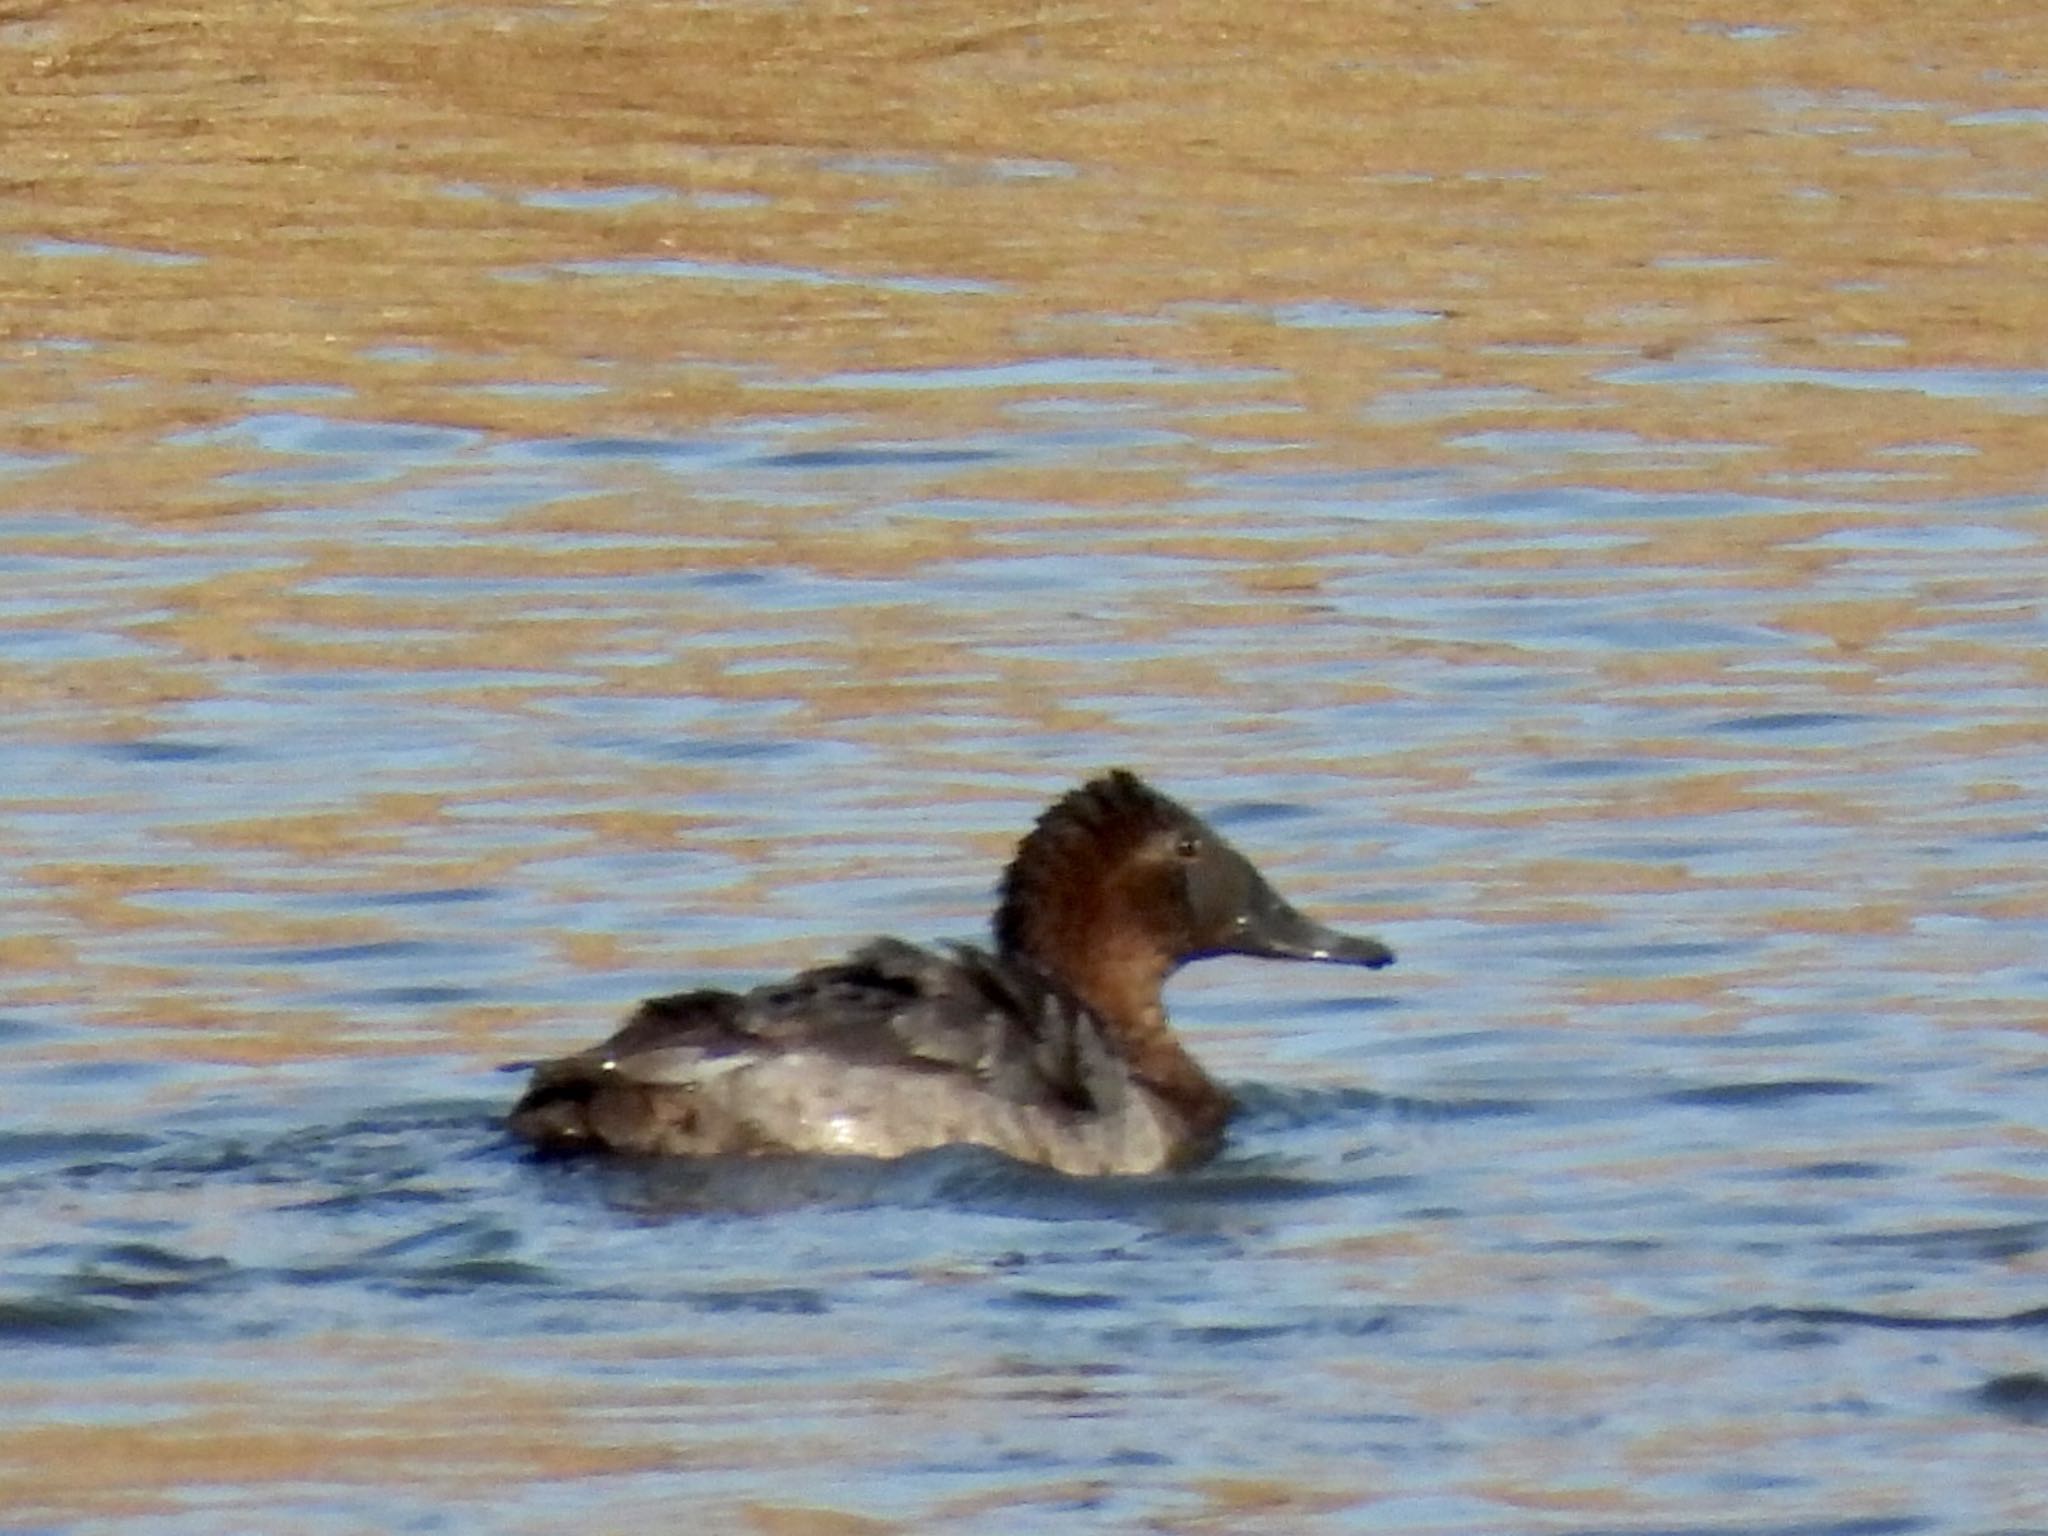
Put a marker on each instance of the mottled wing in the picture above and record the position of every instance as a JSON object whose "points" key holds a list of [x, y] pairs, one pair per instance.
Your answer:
{"points": [[888, 1004], [1005, 1026], [1023, 1036]]}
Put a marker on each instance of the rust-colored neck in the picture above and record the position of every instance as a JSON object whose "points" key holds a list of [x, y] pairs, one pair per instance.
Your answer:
{"points": [[1085, 901], [1122, 985]]}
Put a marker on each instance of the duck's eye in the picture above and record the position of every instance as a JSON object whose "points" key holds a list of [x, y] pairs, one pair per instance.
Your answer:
{"points": [[1189, 846]]}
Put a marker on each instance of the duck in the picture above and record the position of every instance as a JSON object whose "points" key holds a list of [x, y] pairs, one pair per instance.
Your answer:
{"points": [[1051, 1046]]}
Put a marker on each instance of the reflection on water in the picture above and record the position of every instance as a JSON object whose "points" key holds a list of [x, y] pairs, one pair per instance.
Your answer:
{"points": [[508, 511]]}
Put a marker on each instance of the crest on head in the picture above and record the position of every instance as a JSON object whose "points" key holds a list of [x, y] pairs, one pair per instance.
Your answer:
{"points": [[1081, 838]]}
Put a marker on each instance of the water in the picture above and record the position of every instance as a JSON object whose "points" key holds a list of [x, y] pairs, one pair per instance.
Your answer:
{"points": [[506, 512]]}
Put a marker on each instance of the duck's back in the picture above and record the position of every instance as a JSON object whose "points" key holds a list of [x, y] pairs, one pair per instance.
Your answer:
{"points": [[893, 1050]]}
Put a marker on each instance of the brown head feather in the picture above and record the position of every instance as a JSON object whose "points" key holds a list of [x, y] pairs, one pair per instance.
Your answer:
{"points": [[1061, 864]]}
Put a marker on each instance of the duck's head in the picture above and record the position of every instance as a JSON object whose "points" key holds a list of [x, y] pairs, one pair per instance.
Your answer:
{"points": [[1119, 884]]}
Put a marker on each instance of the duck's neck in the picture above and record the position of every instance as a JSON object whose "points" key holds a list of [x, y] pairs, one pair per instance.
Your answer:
{"points": [[1126, 991]]}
